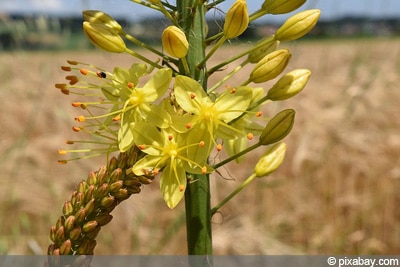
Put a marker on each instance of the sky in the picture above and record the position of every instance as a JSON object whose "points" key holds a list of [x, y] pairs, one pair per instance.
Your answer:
{"points": [[329, 8]]}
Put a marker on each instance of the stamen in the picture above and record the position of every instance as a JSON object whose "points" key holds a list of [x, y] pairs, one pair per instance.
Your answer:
{"points": [[62, 161], [219, 147], [192, 96], [116, 118], [66, 68], [250, 136], [76, 104], [61, 86], [259, 114], [80, 118], [84, 71], [69, 142], [62, 152], [141, 147], [203, 170], [170, 137], [233, 90], [156, 171], [181, 188], [76, 129], [72, 62], [202, 144], [101, 74], [131, 85], [188, 125]]}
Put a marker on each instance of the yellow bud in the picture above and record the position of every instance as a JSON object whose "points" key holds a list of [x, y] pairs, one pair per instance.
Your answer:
{"points": [[174, 42], [298, 25], [289, 85], [96, 16], [271, 160], [266, 48], [281, 6], [278, 127], [104, 37], [236, 20], [270, 66]]}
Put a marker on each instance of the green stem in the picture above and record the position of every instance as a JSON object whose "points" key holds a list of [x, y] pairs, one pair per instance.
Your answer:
{"points": [[234, 193], [197, 194]]}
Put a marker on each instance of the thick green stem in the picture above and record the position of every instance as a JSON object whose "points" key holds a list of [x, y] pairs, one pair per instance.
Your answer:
{"points": [[197, 195]]}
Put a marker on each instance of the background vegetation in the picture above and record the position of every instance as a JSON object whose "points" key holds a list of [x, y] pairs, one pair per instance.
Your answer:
{"points": [[337, 191]]}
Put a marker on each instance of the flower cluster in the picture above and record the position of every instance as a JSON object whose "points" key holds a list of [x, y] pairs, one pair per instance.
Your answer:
{"points": [[167, 114]]}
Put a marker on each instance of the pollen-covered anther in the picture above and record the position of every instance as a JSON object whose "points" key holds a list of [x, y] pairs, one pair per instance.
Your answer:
{"points": [[72, 62], [117, 118], [62, 152], [141, 147], [61, 86], [259, 114], [80, 119], [76, 104], [219, 147], [233, 90], [101, 74], [250, 136], [181, 188], [72, 79], [204, 170], [69, 142], [202, 144], [76, 128], [83, 71], [170, 137], [65, 91], [83, 106], [66, 68], [131, 85], [188, 125], [62, 161], [156, 171], [192, 96]]}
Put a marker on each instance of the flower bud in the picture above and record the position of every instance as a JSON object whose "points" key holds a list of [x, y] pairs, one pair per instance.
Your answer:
{"points": [[89, 226], [298, 25], [103, 218], [289, 85], [65, 248], [75, 233], [271, 160], [236, 20], [104, 37], [174, 42], [258, 54], [67, 209], [281, 6], [270, 66], [96, 16], [278, 127], [80, 215], [69, 223]]}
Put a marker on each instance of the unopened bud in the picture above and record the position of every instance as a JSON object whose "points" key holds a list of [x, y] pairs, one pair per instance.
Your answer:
{"points": [[89, 226], [298, 25], [289, 85], [269, 46], [281, 6], [65, 248], [96, 16], [114, 187], [67, 209], [236, 20], [89, 207], [103, 218], [174, 42], [104, 37], [69, 223], [75, 233], [271, 160], [270, 66], [80, 215], [107, 201], [60, 234], [278, 127]]}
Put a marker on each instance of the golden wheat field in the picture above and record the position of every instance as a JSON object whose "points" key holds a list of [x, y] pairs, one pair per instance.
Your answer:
{"points": [[336, 193]]}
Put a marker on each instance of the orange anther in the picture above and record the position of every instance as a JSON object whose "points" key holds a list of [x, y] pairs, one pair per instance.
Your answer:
{"points": [[233, 90], [76, 129], [62, 152], [188, 125], [219, 147], [259, 114], [76, 104], [80, 119], [131, 85], [181, 188], [84, 71], [202, 144], [62, 161], [250, 136], [66, 68], [204, 170], [192, 96], [141, 147], [72, 62]]}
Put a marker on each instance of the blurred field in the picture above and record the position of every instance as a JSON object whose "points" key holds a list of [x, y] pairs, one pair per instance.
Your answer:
{"points": [[337, 192]]}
